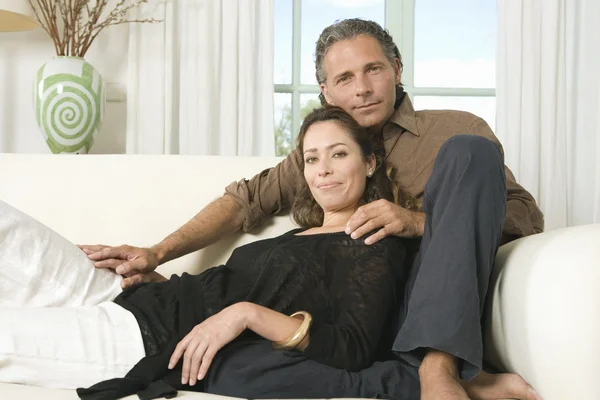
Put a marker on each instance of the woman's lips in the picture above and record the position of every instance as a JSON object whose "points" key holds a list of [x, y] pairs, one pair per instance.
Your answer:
{"points": [[328, 185]]}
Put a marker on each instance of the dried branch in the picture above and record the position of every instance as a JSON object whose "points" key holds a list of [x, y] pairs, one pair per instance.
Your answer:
{"points": [[73, 25]]}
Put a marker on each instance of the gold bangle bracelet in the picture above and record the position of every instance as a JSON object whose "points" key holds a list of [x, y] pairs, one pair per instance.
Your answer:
{"points": [[298, 336]]}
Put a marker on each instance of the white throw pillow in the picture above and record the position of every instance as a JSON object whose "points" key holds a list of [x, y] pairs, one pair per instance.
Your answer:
{"points": [[40, 268]]}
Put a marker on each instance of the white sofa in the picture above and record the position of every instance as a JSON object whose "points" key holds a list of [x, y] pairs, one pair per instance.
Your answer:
{"points": [[545, 297]]}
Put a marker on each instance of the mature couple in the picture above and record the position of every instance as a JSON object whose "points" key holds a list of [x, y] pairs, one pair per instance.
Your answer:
{"points": [[380, 290]]}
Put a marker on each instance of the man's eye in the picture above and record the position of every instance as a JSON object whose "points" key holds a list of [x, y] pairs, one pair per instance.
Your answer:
{"points": [[343, 79], [375, 68]]}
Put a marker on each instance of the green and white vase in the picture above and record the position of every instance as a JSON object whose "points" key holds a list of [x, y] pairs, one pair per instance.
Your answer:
{"points": [[69, 101]]}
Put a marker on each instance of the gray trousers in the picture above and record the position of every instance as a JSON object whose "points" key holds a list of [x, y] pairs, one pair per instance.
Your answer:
{"points": [[465, 206]]}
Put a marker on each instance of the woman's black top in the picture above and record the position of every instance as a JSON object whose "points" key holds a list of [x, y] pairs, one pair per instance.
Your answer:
{"points": [[349, 288]]}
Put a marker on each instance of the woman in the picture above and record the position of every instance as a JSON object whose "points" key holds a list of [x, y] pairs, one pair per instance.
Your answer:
{"points": [[344, 290]]}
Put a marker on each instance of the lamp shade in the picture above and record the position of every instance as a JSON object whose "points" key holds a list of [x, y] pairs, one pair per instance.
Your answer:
{"points": [[16, 15]]}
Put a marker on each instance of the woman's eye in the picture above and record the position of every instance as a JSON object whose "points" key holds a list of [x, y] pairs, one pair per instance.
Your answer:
{"points": [[310, 160], [340, 154]]}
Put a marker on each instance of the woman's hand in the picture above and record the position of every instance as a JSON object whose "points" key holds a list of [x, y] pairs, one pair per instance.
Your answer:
{"points": [[199, 346]]}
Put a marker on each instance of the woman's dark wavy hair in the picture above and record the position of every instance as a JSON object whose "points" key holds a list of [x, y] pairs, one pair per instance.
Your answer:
{"points": [[306, 212]]}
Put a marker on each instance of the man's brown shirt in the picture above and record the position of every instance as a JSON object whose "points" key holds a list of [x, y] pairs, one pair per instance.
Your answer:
{"points": [[412, 140]]}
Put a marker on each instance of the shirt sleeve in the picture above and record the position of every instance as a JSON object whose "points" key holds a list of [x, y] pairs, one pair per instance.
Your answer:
{"points": [[352, 341], [269, 192], [523, 217]]}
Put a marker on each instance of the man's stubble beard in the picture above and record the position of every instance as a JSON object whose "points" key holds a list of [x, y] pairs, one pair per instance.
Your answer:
{"points": [[374, 125]]}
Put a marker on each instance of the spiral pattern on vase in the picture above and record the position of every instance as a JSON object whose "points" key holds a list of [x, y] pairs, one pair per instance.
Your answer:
{"points": [[69, 105]]}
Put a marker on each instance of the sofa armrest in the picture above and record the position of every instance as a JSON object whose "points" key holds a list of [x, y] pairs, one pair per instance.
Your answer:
{"points": [[543, 312]]}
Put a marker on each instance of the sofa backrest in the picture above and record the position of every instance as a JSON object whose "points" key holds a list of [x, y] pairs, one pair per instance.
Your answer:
{"points": [[130, 199]]}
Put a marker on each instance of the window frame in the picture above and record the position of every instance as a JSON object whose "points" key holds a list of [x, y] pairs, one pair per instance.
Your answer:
{"points": [[400, 22]]}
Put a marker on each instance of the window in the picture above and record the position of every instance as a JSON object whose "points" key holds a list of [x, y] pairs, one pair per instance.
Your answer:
{"points": [[448, 51]]}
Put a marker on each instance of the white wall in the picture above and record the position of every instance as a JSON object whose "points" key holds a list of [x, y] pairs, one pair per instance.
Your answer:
{"points": [[21, 54]]}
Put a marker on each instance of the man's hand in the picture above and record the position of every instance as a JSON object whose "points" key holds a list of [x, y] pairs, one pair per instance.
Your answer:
{"points": [[200, 346], [389, 218], [143, 278], [128, 261]]}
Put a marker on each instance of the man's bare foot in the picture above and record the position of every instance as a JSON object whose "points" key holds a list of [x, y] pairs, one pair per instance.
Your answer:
{"points": [[499, 386], [440, 385], [439, 378]]}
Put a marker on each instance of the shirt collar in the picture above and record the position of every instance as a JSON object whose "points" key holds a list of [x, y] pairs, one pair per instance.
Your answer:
{"points": [[404, 116]]}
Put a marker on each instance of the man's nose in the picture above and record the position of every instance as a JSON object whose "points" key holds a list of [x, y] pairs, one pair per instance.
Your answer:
{"points": [[363, 85]]}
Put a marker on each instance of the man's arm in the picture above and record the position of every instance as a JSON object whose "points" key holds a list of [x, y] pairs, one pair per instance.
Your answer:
{"points": [[269, 192], [220, 218], [245, 204], [523, 217]]}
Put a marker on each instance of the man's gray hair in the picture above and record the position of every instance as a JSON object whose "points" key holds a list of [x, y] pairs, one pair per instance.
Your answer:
{"points": [[348, 29]]}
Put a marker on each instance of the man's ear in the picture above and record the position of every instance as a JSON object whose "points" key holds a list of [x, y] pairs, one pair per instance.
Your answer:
{"points": [[325, 93]]}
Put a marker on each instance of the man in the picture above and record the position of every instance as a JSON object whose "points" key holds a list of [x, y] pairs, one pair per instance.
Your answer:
{"points": [[471, 204]]}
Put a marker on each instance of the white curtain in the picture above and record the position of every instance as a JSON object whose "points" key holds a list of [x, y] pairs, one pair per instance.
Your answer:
{"points": [[201, 81], [548, 95]]}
